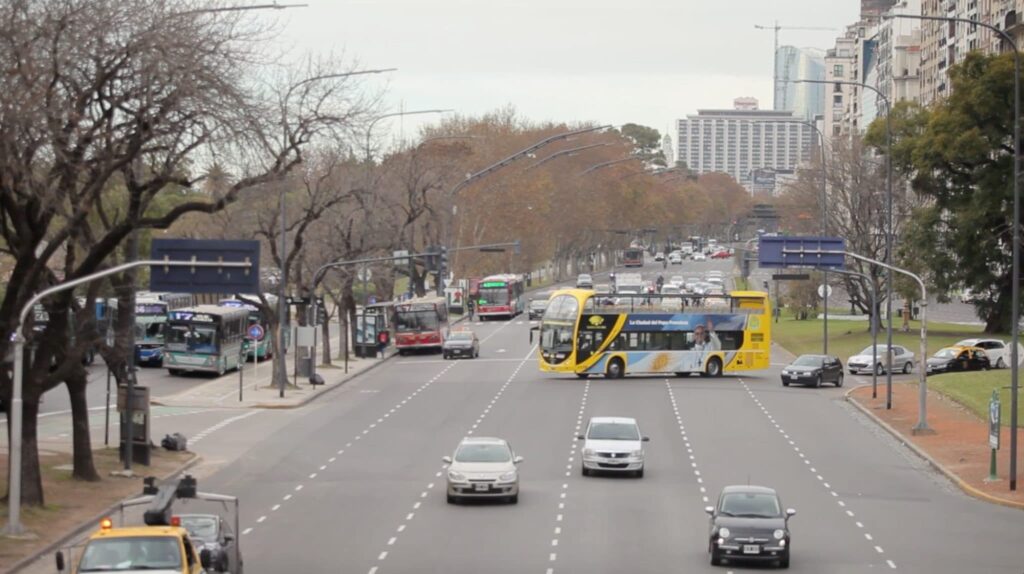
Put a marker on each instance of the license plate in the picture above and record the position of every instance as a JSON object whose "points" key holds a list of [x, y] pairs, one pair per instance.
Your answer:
{"points": [[480, 487], [751, 549]]}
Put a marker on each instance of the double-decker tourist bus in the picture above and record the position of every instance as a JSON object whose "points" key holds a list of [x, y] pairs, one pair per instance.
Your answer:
{"points": [[151, 311], [633, 257], [262, 349], [206, 338], [420, 323], [587, 333], [500, 296]]}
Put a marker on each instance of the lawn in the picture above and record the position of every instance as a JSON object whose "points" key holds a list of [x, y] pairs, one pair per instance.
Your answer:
{"points": [[848, 338], [973, 390]]}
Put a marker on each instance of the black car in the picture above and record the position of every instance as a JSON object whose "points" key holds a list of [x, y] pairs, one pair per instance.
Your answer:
{"points": [[536, 308], [749, 524], [958, 359], [813, 370], [210, 532]]}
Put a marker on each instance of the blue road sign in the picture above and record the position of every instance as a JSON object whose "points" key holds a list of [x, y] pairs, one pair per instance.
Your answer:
{"points": [[371, 300], [206, 279], [256, 332], [801, 251]]}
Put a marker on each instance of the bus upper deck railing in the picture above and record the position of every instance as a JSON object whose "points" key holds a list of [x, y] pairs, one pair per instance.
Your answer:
{"points": [[671, 303]]}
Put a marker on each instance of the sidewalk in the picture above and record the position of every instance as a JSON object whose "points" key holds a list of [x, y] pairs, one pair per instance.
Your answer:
{"points": [[958, 448]]}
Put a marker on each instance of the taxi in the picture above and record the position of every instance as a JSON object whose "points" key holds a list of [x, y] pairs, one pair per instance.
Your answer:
{"points": [[138, 549], [958, 358]]}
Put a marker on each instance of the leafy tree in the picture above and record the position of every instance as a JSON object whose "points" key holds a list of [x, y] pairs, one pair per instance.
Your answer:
{"points": [[960, 156], [647, 142]]}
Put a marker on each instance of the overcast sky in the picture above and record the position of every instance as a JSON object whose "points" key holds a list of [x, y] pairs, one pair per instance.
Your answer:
{"points": [[610, 61]]}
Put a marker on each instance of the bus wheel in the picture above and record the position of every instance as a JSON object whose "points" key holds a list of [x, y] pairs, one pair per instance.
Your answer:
{"points": [[714, 368], [583, 375], [616, 370]]}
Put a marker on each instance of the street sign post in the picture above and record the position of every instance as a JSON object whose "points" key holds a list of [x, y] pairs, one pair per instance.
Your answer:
{"points": [[994, 416], [824, 291], [790, 277], [800, 251], [185, 279], [256, 334]]}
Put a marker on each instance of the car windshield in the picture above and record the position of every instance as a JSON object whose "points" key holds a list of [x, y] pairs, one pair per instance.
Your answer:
{"points": [[483, 453], [867, 350], [538, 304], [135, 553], [750, 505], [946, 353], [808, 361], [613, 431], [461, 336], [201, 527]]}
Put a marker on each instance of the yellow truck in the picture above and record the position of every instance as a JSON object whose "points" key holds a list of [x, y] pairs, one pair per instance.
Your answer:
{"points": [[163, 545]]}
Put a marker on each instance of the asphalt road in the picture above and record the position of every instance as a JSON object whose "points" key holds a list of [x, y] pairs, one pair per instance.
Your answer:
{"points": [[354, 482]]}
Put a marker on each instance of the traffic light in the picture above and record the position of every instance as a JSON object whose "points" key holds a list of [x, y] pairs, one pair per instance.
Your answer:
{"points": [[444, 259]]}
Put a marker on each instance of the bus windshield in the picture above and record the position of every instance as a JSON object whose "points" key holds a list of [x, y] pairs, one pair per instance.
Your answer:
{"points": [[426, 320], [494, 296], [149, 327], [197, 339]]}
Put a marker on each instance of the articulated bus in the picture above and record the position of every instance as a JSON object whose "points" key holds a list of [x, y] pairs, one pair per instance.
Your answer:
{"points": [[420, 323], [633, 257], [500, 296], [587, 333], [205, 338], [263, 349]]}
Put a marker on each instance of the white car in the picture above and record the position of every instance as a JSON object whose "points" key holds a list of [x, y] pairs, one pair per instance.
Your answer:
{"points": [[700, 257], [613, 444], [902, 360], [716, 281], [670, 289], [676, 280], [675, 259], [659, 256], [483, 468], [998, 351]]}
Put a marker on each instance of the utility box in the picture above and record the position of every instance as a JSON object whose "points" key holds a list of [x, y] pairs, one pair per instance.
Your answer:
{"points": [[140, 422]]}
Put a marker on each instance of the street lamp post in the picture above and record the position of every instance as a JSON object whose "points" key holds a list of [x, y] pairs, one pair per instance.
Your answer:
{"points": [[1015, 288], [373, 122], [888, 237]]}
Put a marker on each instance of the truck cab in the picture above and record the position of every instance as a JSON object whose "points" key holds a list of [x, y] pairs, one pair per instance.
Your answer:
{"points": [[149, 549]]}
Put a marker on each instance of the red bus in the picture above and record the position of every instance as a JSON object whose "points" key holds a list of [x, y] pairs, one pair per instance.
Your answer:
{"points": [[500, 296], [633, 257], [419, 323]]}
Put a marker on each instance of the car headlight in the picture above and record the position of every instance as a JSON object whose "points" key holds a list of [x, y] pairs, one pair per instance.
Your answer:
{"points": [[588, 452], [723, 532], [507, 477], [457, 477], [779, 534], [637, 453], [785, 372]]}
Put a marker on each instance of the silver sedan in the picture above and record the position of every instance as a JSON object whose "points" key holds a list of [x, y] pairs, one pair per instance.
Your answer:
{"points": [[483, 467]]}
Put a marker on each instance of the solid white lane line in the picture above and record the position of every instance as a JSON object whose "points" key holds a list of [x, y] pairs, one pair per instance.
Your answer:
{"points": [[891, 564]]}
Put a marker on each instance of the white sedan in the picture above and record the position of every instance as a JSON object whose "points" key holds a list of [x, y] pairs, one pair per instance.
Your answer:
{"points": [[998, 351], [700, 257], [902, 360]]}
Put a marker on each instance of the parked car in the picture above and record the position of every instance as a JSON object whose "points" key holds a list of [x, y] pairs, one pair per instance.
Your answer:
{"points": [[483, 468], [813, 370], [953, 359], [902, 360], [700, 257], [584, 281], [537, 308], [998, 351], [748, 523], [211, 532], [613, 444], [462, 343]]}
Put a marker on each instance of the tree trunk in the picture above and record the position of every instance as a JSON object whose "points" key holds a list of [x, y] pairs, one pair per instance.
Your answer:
{"points": [[325, 354], [84, 466], [906, 316]]}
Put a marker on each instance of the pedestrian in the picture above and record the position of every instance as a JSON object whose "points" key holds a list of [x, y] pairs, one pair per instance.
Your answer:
{"points": [[469, 307]]}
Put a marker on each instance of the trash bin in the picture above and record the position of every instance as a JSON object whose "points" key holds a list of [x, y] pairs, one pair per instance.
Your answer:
{"points": [[140, 422]]}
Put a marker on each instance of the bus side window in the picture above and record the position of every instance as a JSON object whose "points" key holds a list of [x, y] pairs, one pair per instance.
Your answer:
{"points": [[677, 341]]}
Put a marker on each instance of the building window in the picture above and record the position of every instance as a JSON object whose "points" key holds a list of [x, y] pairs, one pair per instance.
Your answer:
{"points": [[837, 100], [836, 130], [837, 70]]}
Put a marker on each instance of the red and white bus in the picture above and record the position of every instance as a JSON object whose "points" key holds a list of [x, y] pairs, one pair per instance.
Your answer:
{"points": [[633, 257], [500, 296], [420, 323]]}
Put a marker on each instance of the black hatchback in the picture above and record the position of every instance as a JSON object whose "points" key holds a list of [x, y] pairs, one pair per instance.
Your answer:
{"points": [[813, 370]]}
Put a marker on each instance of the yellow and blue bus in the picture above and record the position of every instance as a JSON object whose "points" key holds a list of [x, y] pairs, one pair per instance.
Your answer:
{"points": [[205, 338], [588, 333]]}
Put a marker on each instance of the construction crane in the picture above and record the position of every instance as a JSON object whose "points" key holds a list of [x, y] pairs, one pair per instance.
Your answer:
{"points": [[775, 59]]}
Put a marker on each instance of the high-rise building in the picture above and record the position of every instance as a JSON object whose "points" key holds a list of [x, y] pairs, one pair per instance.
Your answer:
{"points": [[804, 100], [873, 9], [751, 145], [899, 54], [840, 98], [668, 150]]}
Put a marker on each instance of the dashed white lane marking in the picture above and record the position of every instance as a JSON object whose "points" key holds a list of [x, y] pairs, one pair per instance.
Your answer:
{"points": [[564, 495], [487, 410], [796, 449], [340, 451]]}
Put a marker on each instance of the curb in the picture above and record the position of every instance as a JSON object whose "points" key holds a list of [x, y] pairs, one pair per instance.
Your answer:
{"points": [[952, 476], [91, 523]]}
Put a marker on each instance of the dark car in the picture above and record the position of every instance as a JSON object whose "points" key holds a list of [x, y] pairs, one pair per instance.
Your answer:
{"points": [[536, 308], [211, 532], [953, 359], [461, 344], [749, 524], [813, 370]]}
